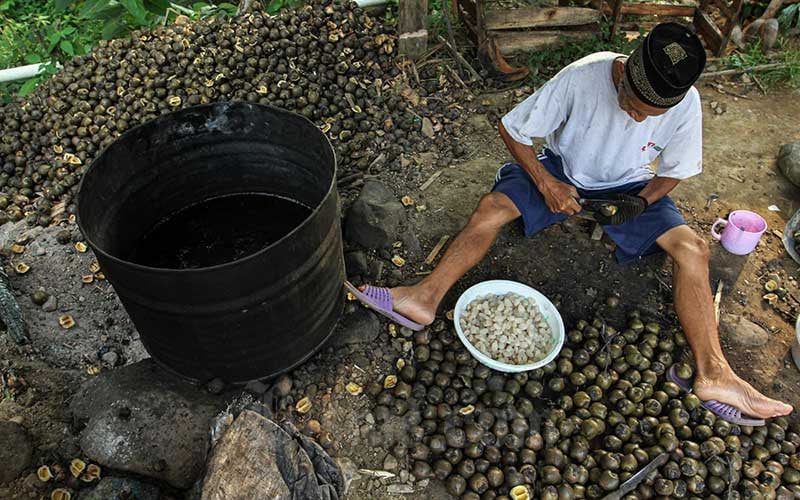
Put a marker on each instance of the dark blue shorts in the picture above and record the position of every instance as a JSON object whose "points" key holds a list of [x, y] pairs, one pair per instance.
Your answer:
{"points": [[634, 239]]}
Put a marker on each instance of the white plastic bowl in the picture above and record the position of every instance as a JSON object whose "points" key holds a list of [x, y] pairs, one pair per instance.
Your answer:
{"points": [[501, 287]]}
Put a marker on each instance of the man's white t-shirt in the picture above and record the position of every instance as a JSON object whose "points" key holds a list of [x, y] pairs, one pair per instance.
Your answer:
{"points": [[601, 146]]}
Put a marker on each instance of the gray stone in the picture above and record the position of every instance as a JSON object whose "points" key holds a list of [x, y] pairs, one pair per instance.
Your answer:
{"points": [[33, 483], [374, 219], [390, 463], [142, 419], [789, 162], [256, 458], [360, 327], [51, 304], [216, 386], [427, 127], [256, 387], [283, 386], [121, 488], [375, 269], [356, 263], [16, 451], [743, 332], [374, 438], [110, 358], [395, 277], [411, 245], [349, 472]]}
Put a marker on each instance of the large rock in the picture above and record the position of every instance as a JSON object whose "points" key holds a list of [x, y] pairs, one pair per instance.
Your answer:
{"points": [[256, 458], [789, 162], [143, 419], [374, 219], [361, 326], [119, 488], [743, 332], [356, 263], [16, 451]]}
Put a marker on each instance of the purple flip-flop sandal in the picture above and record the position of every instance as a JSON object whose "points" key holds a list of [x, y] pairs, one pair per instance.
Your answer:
{"points": [[723, 410], [379, 299]]}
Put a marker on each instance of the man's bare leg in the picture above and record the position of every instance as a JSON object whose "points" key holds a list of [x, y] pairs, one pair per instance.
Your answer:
{"points": [[715, 379], [419, 302]]}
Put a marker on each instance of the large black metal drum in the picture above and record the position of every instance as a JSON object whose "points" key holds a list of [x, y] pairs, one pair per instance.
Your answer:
{"points": [[218, 227]]}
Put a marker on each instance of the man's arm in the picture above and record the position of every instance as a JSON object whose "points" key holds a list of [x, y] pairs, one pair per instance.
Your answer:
{"points": [[559, 196], [657, 188]]}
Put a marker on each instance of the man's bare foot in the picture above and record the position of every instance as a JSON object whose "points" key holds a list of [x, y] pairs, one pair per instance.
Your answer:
{"points": [[410, 303], [730, 389]]}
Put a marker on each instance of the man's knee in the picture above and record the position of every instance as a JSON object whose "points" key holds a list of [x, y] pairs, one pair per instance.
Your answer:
{"points": [[691, 250], [494, 209]]}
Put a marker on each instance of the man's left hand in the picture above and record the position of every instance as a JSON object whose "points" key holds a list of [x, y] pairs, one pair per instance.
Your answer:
{"points": [[626, 208]]}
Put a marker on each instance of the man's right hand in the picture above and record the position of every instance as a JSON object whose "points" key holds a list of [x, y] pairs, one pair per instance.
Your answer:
{"points": [[560, 197]]}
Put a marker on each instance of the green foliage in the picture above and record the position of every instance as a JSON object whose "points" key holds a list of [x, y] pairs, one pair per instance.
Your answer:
{"points": [[545, 63], [33, 33], [58, 30], [435, 22], [789, 17], [275, 6], [787, 54]]}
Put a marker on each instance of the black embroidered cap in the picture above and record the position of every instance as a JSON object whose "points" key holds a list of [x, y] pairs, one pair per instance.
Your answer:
{"points": [[664, 67]]}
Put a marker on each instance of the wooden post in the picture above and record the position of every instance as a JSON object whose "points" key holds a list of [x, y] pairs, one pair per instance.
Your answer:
{"points": [[411, 28], [616, 15]]}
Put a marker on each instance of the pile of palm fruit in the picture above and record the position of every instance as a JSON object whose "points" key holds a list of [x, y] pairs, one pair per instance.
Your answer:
{"points": [[328, 61], [582, 425]]}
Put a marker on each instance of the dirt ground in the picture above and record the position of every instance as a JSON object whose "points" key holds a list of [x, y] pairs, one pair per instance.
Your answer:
{"points": [[741, 145]]}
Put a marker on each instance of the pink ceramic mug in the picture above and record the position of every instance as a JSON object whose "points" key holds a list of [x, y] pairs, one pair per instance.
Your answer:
{"points": [[742, 231]]}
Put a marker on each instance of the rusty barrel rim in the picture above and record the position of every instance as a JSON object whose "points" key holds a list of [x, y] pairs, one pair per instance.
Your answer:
{"points": [[169, 116]]}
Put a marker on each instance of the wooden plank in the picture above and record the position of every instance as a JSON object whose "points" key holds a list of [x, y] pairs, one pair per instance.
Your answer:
{"points": [[430, 180], [635, 26], [723, 7], [536, 17], [515, 41], [652, 9], [412, 35], [480, 13], [436, 249], [709, 32]]}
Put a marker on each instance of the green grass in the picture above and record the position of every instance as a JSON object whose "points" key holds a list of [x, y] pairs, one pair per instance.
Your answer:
{"points": [[787, 53]]}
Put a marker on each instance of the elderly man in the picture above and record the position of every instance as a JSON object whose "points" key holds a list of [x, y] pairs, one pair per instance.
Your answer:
{"points": [[606, 118]]}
